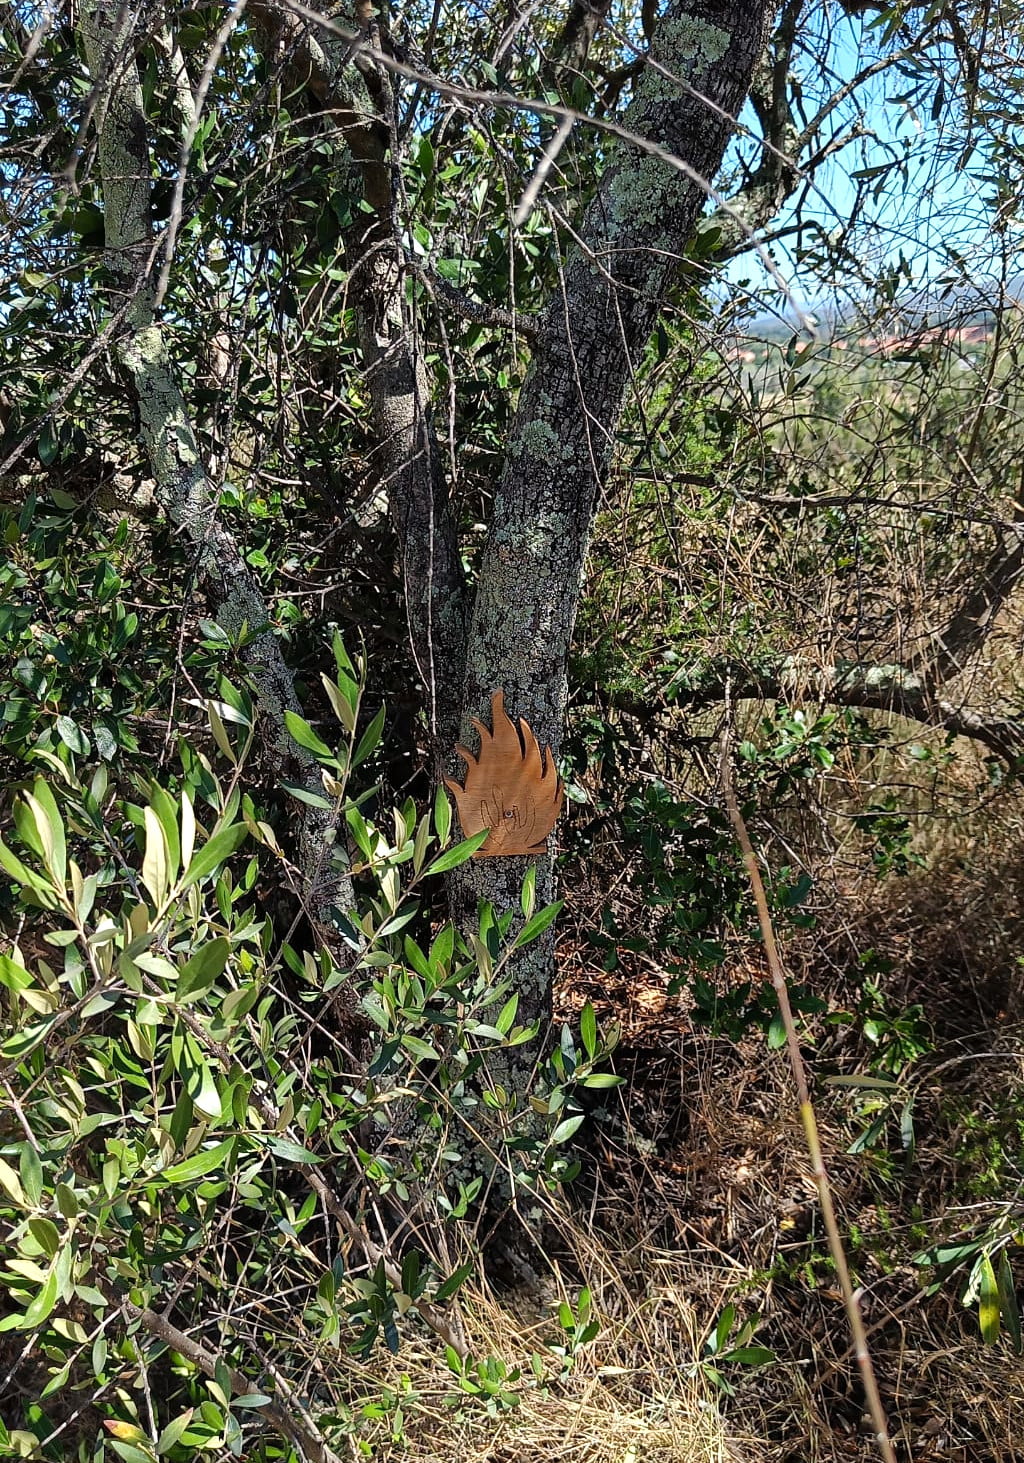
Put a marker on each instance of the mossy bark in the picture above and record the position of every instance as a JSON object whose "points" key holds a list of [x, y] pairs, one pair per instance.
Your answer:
{"points": [[182, 486], [563, 439]]}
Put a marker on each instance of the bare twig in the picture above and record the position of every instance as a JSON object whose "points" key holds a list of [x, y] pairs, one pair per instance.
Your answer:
{"points": [[851, 1297], [547, 161], [303, 1434]]}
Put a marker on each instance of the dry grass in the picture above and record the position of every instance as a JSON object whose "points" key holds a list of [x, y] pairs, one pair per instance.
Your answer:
{"points": [[635, 1393], [704, 1160], [702, 1193]]}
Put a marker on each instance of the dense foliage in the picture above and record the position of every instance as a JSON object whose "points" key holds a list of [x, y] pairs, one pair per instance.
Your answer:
{"points": [[292, 1158]]}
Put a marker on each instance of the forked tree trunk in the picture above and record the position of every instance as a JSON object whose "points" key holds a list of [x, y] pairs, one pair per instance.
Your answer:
{"points": [[587, 349]]}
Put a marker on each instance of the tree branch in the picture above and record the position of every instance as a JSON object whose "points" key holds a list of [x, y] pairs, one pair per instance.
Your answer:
{"points": [[582, 24], [967, 630], [300, 1433], [93, 481], [591, 336], [753, 206], [343, 76], [599, 318], [896, 689], [780, 170]]}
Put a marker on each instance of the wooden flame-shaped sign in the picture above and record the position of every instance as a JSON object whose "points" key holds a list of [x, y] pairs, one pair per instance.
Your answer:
{"points": [[511, 788]]}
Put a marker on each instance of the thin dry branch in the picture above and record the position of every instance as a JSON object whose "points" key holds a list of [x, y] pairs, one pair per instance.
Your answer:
{"points": [[851, 1299], [897, 689], [300, 1432]]}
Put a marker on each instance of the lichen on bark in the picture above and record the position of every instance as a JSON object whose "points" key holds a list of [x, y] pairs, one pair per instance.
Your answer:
{"points": [[182, 486], [563, 438]]}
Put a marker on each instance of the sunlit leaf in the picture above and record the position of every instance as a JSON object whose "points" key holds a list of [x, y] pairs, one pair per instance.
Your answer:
{"points": [[213, 853]]}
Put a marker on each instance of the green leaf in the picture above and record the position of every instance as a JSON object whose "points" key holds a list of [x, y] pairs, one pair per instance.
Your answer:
{"points": [[588, 1029], [399, 920], [22, 1042], [528, 898], [948, 1256], [507, 1014], [908, 1137], [166, 809], [155, 860], [455, 1279], [988, 1301], [290, 1152], [57, 1381], [200, 1163], [442, 816], [31, 1171], [19, 871], [420, 1049], [48, 445], [360, 831], [202, 1088], [341, 656], [303, 733], [46, 1235], [72, 735], [1008, 1300], [750, 1355], [129, 1452], [370, 739], [42, 1304], [181, 1119], [484, 1031], [238, 1004], [421, 843], [14, 976], [443, 947], [187, 842], [220, 736], [173, 1431], [565, 1129], [51, 828], [538, 924], [726, 1321], [67, 1201], [11, 1182], [202, 969], [338, 695], [459, 853], [306, 795], [213, 853]]}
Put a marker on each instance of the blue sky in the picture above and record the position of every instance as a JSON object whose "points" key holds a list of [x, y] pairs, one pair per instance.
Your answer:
{"points": [[941, 202]]}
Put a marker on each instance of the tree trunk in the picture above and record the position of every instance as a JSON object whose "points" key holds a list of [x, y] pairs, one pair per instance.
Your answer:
{"points": [[361, 105], [562, 442], [182, 486], [588, 342]]}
